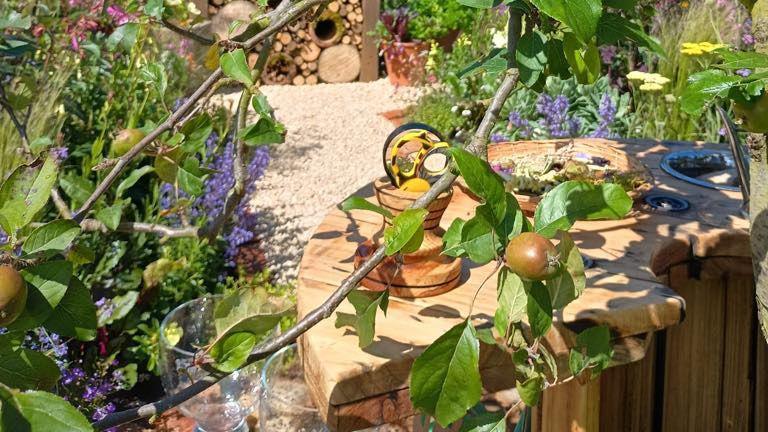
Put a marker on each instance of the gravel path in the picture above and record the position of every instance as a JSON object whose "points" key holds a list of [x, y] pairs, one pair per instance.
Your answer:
{"points": [[333, 148]]}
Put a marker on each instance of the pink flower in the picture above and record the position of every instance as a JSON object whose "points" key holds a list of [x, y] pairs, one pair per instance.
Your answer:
{"points": [[119, 15]]}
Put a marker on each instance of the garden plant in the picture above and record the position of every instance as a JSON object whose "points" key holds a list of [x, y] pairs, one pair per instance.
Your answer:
{"points": [[49, 255]]}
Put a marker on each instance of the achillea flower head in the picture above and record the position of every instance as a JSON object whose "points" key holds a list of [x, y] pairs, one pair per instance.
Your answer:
{"points": [[651, 87]]}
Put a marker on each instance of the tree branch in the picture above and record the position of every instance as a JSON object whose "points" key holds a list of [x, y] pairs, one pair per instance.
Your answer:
{"points": [[327, 308], [189, 34], [479, 143], [94, 225], [291, 13]]}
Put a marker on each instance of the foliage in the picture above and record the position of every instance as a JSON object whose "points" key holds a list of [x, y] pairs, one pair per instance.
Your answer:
{"points": [[432, 19]]}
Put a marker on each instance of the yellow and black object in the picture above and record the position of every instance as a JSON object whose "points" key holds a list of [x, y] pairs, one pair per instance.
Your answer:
{"points": [[415, 154]]}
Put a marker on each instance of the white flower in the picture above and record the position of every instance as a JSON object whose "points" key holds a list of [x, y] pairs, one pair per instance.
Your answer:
{"points": [[192, 8], [172, 2], [455, 109], [466, 113], [499, 39]]}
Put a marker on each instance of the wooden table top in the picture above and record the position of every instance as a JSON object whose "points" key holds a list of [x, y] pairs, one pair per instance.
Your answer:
{"points": [[356, 387]]}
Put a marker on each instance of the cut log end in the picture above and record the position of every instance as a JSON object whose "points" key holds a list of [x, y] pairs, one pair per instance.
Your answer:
{"points": [[338, 64]]}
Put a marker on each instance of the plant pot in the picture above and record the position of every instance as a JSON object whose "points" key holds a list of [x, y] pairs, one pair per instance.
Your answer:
{"points": [[406, 62], [446, 41], [423, 273], [594, 147]]}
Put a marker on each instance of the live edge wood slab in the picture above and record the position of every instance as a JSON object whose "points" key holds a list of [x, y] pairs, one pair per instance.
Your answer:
{"points": [[356, 388]]}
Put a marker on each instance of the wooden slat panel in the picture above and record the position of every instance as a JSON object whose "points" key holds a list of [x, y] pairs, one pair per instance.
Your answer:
{"points": [[369, 55], [694, 357], [761, 383], [570, 407], [740, 321]]}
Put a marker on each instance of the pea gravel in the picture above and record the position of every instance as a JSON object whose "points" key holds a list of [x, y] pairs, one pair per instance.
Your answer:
{"points": [[333, 148]]}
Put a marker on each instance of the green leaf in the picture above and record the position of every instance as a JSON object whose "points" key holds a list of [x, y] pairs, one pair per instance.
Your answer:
{"points": [[79, 255], [531, 57], [15, 20], [235, 66], [481, 4], [52, 237], [512, 300], [483, 181], [110, 216], [364, 320], [704, 87], [124, 36], [77, 188], [27, 190], [51, 278], [485, 422], [197, 130], [570, 283], [27, 369], [121, 306], [405, 226], [358, 203], [131, 179], [478, 241], [261, 105], [614, 28], [154, 75], [452, 239], [539, 309], [157, 270], [626, 5], [530, 390], [557, 64], [75, 316], [583, 59], [577, 200], [11, 419], [155, 9], [742, 59], [494, 63], [445, 378], [265, 131], [249, 310], [190, 177], [592, 351], [232, 351], [582, 16], [50, 413]]}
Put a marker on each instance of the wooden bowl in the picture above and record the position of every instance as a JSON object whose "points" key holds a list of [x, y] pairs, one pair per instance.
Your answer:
{"points": [[606, 149]]}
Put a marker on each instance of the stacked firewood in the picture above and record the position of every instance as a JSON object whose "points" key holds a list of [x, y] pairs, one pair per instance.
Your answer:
{"points": [[324, 50]]}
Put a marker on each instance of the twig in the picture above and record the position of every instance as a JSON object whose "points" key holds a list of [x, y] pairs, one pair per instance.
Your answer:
{"points": [[326, 309], [60, 204], [188, 33], [292, 12], [135, 227], [15, 120], [479, 143]]}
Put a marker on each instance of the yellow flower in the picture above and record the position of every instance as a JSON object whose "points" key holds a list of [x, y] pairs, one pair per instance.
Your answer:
{"points": [[699, 48], [651, 87], [637, 76], [655, 78], [685, 4]]}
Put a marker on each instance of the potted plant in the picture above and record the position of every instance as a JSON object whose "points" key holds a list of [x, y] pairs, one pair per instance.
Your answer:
{"points": [[404, 57]]}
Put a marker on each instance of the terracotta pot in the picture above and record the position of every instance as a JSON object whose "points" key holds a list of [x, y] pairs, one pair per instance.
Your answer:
{"points": [[406, 62], [423, 273]]}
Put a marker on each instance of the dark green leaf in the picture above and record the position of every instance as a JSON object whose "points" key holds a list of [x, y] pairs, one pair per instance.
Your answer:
{"points": [[452, 239], [704, 87], [531, 57], [235, 66], [743, 59], [582, 16], [577, 200], [483, 181], [11, 419], [231, 352], [570, 283], [197, 130], [485, 422], [404, 227], [110, 216], [358, 203], [132, 178], [52, 237], [265, 131], [530, 390], [364, 320], [512, 300], [50, 413], [478, 241], [77, 188], [27, 369], [27, 190], [125, 36], [492, 64], [190, 177], [614, 28], [593, 350], [539, 309], [51, 278], [79, 254], [626, 5], [557, 64], [75, 316], [445, 378]]}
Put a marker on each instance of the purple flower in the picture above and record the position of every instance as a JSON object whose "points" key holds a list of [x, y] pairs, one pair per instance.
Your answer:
{"points": [[119, 15], [556, 119], [102, 412], [69, 376], [59, 154], [607, 113], [498, 137], [516, 121], [3, 237], [608, 53], [744, 72]]}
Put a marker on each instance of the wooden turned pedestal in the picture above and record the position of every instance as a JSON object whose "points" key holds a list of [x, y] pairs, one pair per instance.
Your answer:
{"points": [[423, 273]]}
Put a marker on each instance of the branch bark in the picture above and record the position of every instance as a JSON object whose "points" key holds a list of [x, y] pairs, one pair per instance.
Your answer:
{"points": [[94, 225], [189, 34], [331, 303]]}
